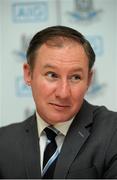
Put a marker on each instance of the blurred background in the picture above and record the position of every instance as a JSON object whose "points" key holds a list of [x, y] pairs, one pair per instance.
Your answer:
{"points": [[21, 19]]}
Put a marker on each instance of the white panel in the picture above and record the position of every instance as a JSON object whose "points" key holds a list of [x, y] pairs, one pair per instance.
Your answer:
{"points": [[21, 19], [1, 75]]}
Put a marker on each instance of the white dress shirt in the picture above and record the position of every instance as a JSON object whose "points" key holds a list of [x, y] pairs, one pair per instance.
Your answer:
{"points": [[61, 127]]}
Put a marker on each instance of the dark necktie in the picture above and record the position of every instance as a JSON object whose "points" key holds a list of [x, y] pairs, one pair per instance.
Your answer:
{"points": [[50, 154]]}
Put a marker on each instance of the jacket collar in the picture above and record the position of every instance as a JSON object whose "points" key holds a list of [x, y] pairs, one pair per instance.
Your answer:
{"points": [[76, 137], [31, 149]]}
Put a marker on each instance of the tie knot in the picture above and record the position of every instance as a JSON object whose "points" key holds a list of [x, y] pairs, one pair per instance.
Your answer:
{"points": [[51, 134]]}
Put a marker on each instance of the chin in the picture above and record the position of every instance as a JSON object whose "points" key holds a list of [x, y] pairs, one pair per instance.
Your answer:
{"points": [[55, 118], [61, 120]]}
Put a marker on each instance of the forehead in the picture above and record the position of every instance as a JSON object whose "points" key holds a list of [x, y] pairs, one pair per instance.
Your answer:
{"points": [[61, 44], [69, 54]]}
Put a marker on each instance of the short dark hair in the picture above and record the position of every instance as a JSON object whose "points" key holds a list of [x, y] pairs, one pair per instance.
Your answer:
{"points": [[54, 34]]}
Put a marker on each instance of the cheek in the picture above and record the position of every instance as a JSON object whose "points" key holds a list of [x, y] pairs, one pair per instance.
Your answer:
{"points": [[79, 92], [43, 88]]}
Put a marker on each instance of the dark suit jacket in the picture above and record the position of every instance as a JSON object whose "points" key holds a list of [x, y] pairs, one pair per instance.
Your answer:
{"points": [[89, 149]]}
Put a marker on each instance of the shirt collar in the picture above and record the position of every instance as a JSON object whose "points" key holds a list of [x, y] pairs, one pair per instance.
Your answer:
{"points": [[61, 127]]}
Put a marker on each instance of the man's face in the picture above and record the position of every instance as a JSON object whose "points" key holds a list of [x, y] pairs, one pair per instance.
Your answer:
{"points": [[59, 81]]}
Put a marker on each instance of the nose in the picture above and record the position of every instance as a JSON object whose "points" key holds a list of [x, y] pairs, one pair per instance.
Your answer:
{"points": [[63, 90]]}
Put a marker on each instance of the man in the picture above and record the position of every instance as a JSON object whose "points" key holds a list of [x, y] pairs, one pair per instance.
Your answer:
{"points": [[81, 136]]}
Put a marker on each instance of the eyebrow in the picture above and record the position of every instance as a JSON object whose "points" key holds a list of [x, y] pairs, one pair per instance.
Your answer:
{"points": [[54, 67], [49, 66]]}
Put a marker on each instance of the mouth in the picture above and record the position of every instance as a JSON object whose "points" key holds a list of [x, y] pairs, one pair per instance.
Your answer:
{"points": [[60, 106]]}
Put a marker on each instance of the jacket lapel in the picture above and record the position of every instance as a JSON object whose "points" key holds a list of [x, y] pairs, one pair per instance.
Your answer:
{"points": [[31, 149], [76, 136]]}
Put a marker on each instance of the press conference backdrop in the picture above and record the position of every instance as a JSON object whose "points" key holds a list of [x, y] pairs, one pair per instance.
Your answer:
{"points": [[21, 19]]}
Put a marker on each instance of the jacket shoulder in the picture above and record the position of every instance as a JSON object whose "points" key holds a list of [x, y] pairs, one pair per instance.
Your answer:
{"points": [[103, 112], [15, 129]]}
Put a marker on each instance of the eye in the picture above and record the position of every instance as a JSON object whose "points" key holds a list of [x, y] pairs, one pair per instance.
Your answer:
{"points": [[75, 77], [51, 75]]}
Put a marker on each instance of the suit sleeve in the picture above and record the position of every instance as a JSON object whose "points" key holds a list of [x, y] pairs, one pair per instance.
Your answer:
{"points": [[111, 158]]}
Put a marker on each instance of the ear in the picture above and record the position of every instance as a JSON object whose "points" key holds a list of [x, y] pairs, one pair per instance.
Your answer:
{"points": [[90, 76], [27, 74]]}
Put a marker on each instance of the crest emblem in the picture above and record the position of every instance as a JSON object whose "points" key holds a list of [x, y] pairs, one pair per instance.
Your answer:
{"points": [[23, 47], [84, 10]]}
